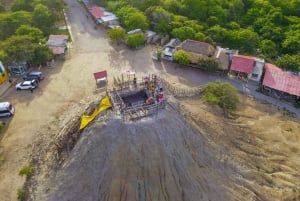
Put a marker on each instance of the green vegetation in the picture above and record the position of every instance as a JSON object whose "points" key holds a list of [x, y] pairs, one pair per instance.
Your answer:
{"points": [[182, 57], [2, 125], [22, 195], [267, 29], [135, 40], [116, 34], [207, 64], [222, 94], [24, 29], [26, 170]]}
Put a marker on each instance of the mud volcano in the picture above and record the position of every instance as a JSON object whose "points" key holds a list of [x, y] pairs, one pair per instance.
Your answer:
{"points": [[135, 97]]}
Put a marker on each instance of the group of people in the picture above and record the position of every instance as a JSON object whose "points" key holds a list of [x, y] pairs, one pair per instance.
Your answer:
{"points": [[156, 92]]}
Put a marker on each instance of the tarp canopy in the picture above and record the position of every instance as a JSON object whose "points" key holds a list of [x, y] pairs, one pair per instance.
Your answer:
{"points": [[104, 105], [280, 80], [102, 75]]}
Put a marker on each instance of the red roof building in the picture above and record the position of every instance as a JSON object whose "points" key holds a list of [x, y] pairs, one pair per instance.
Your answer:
{"points": [[280, 80], [58, 43], [97, 12], [241, 63]]}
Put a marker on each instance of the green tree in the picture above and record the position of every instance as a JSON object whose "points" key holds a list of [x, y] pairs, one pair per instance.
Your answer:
{"points": [[135, 40], [200, 36], [182, 57], [136, 21], [291, 45], [183, 33], [117, 34], [35, 33], [289, 62], [245, 40], [222, 94], [41, 55], [268, 48], [10, 22], [219, 34], [115, 5], [157, 13], [18, 48], [18, 5], [162, 27], [124, 12], [3, 55], [55, 7], [2, 8], [41, 18]]}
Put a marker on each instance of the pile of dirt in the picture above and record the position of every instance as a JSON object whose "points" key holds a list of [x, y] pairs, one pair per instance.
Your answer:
{"points": [[188, 151]]}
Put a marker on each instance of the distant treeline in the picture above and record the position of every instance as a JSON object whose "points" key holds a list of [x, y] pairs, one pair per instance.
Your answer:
{"points": [[269, 29]]}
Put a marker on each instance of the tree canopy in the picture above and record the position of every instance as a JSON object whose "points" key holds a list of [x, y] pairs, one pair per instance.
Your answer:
{"points": [[24, 29], [222, 94], [270, 28]]}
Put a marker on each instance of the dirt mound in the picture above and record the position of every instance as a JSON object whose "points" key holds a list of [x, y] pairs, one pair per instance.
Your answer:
{"points": [[189, 151], [158, 158]]}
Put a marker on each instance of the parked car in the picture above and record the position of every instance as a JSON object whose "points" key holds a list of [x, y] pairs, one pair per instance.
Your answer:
{"points": [[29, 84], [34, 75], [6, 109]]}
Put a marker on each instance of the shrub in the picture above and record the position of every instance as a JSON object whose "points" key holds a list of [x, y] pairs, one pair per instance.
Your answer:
{"points": [[135, 40], [21, 194], [25, 170], [182, 57], [2, 124], [222, 94], [207, 64], [116, 34]]}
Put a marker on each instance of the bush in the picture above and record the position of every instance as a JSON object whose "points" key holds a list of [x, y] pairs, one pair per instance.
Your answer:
{"points": [[207, 64], [222, 94], [21, 194], [135, 40], [182, 57], [25, 170], [297, 104]]}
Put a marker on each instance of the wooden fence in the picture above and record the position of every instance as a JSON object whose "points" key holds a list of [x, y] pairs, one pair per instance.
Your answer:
{"points": [[180, 92]]}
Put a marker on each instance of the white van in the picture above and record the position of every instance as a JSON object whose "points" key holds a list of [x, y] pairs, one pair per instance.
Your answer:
{"points": [[6, 109]]}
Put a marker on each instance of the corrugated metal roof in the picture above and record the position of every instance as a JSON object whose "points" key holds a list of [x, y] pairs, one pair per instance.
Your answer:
{"points": [[241, 63], [280, 80]]}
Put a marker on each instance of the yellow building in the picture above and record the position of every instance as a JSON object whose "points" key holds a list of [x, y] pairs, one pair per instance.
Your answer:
{"points": [[3, 74]]}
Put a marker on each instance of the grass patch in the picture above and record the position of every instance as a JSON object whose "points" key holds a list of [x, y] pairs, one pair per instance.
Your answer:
{"points": [[2, 125], [22, 194], [25, 170]]}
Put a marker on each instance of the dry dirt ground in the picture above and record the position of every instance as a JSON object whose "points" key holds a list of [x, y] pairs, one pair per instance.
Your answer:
{"points": [[189, 151]]}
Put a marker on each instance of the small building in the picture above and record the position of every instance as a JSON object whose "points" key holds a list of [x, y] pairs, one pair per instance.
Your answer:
{"points": [[149, 36], [196, 49], [97, 12], [224, 57], [247, 66], [58, 44], [108, 19], [280, 83], [170, 49]]}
